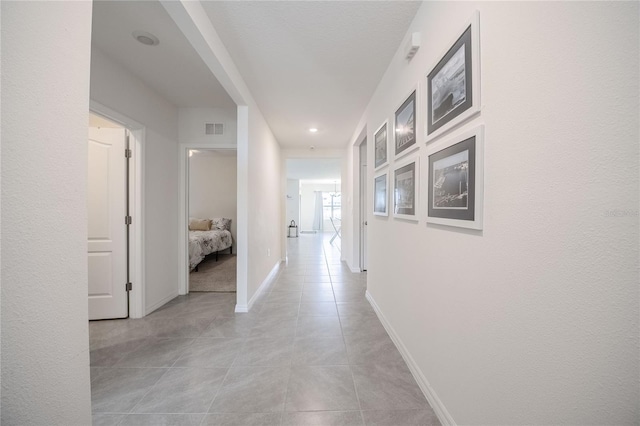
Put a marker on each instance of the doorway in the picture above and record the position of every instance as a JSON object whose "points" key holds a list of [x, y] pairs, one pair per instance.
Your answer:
{"points": [[212, 211], [115, 278], [107, 217], [313, 198], [186, 152]]}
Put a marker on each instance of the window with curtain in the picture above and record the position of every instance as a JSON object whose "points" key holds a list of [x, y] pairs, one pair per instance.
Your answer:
{"points": [[331, 205]]}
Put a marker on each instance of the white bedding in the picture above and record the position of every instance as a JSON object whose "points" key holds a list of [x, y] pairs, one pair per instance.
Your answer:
{"points": [[202, 243]]}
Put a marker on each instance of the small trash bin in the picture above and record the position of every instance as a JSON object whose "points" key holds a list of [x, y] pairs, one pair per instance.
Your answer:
{"points": [[293, 230]]}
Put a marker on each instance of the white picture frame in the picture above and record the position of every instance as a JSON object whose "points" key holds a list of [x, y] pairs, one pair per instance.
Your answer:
{"points": [[406, 189], [444, 113], [381, 194], [402, 113], [381, 146], [457, 200]]}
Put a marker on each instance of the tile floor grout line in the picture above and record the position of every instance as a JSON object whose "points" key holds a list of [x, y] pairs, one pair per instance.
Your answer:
{"points": [[286, 392], [147, 392], [344, 342], [216, 395], [349, 363]]}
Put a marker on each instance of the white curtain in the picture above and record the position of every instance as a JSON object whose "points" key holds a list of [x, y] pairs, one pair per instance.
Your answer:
{"points": [[317, 212]]}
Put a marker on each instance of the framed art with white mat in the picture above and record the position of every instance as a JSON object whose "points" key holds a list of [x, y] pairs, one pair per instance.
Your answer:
{"points": [[381, 194], [381, 145], [406, 189], [455, 191], [405, 124], [453, 84]]}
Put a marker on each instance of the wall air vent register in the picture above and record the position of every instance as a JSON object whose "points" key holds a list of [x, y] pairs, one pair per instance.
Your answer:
{"points": [[214, 129]]}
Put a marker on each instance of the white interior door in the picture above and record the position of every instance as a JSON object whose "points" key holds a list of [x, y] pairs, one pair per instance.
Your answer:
{"points": [[107, 234]]}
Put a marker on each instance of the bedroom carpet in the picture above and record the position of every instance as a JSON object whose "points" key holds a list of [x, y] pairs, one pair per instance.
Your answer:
{"points": [[217, 276]]}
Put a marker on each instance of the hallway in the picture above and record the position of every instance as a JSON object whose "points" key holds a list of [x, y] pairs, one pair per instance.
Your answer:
{"points": [[311, 352]]}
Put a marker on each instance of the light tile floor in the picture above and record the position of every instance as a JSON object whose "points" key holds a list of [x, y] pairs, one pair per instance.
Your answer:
{"points": [[311, 352]]}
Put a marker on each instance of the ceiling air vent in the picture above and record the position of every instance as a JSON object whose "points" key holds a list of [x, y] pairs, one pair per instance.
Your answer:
{"points": [[214, 129]]}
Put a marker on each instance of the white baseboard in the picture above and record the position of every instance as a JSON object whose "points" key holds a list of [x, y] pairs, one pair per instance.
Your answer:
{"points": [[354, 269], [161, 303], [263, 285], [435, 402], [240, 309]]}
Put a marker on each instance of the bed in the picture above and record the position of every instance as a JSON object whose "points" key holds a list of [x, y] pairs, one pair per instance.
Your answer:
{"points": [[203, 241]]}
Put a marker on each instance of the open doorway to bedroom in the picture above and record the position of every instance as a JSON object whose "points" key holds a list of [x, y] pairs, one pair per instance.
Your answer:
{"points": [[212, 211]]}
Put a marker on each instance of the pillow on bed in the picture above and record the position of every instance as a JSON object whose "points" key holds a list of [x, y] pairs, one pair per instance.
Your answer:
{"points": [[199, 224], [221, 223]]}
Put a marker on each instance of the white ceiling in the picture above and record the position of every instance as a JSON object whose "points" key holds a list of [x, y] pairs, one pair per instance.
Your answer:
{"points": [[172, 68], [314, 169], [306, 63], [312, 63]]}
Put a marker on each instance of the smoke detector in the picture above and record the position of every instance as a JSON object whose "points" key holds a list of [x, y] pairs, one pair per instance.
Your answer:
{"points": [[412, 46]]}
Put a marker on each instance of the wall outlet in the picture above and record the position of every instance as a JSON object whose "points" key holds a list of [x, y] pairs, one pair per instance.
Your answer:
{"points": [[269, 252]]}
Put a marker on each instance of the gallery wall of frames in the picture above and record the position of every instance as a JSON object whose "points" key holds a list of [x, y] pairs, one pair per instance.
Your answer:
{"points": [[445, 106]]}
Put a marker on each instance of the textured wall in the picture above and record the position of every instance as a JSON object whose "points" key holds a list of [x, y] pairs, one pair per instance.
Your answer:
{"points": [[116, 88], [534, 319], [192, 125], [45, 99]]}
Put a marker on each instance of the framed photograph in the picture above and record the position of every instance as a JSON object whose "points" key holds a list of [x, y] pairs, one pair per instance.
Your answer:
{"points": [[456, 180], [406, 179], [404, 128], [453, 84], [380, 194], [381, 143]]}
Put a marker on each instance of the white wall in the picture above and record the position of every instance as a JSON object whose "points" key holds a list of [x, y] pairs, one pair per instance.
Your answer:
{"points": [[534, 319], [192, 125], [265, 226], [259, 164], [45, 103], [116, 88], [213, 189], [293, 202]]}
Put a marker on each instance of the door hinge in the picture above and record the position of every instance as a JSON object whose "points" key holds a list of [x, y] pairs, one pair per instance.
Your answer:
{"points": [[127, 220], [128, 286], [127, 153]]}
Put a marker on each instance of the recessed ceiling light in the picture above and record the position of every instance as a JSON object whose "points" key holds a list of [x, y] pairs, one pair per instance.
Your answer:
{"points": [[146, 38], [313, 130]]}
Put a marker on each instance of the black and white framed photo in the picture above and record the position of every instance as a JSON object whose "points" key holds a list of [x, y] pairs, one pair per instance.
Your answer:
{"points": [[404, 128], [453, 84], [456, 180], [381, 195], [406, 181], [381, 140]]}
